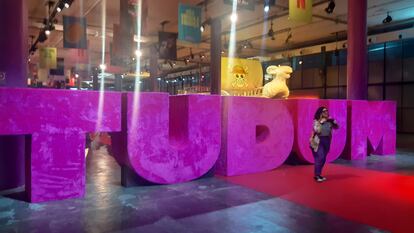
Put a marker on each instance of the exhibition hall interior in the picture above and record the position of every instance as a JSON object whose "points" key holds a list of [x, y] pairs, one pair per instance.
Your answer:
{"points": [[207, 116]]}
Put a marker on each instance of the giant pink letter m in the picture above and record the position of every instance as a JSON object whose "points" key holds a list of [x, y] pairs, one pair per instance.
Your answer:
{"points": [[372, 128]]}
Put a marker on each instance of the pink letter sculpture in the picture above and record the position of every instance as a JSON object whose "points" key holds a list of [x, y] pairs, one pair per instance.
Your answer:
{"points": [[303, 111], [55, 122], [372, 123], [169, 139], [257, 135]]}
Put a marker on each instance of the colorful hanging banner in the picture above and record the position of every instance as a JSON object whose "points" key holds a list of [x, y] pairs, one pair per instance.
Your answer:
{"points": [[74, 32], [168, 45], [300, 10], [189, 22], [242, 4], [47, 58], [240, 75]]}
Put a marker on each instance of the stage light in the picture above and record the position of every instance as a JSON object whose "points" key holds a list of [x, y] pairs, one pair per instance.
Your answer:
{"points": [[202, 27], [67, 3], [266, 8], [138, 53], [387, 19], [47, 32], [42, 36], [331, 7], [233, 17], [60, 6]]}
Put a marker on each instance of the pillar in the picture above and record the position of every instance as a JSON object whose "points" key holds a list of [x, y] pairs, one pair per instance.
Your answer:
{"points": [[357, 62], [13, 66], [215, 54], [154, 70]]}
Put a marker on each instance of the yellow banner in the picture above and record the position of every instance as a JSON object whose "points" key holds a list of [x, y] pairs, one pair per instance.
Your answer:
{"points": [[47, 58], [300, 10], [239, 76]]}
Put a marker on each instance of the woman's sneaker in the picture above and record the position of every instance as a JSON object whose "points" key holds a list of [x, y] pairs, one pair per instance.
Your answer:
{"points": [[318, 179], [323, 178]]}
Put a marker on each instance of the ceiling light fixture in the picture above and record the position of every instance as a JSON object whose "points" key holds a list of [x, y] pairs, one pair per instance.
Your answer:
{"points": [[387, 19], [331, 7], [67, 3]]}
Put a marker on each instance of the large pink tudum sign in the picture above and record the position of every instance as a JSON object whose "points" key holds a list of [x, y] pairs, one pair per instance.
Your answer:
{"points": [[170, 139]]}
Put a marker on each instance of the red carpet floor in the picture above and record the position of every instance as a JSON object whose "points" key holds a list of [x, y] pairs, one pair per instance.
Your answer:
{"points": [[379, 199]]}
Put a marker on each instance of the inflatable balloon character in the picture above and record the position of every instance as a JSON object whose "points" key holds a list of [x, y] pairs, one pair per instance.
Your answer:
{"points": [[277, 88]]}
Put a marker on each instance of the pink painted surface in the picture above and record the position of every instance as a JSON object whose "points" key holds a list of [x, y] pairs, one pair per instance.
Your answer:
{"points": [[372, 128], [55, 123], [303, 111], [173, 139], [257, 135]]}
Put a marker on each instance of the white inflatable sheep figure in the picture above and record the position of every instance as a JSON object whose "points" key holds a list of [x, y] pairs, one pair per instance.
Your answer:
{"points": [[277, 88]]}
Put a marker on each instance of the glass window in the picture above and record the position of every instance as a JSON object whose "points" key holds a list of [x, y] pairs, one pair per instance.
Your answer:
{"points": [[393, 92], [295, 81], [408, 123], [408, 96], [376, 63], [342, 75], [393, 61], [332, 76], [375, 92], [332, 93]]}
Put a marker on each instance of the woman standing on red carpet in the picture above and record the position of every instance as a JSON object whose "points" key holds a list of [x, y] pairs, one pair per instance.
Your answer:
{"points": [[320, 140]]}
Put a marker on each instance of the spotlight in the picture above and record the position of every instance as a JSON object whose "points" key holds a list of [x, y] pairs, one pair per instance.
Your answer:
{"points": [[203, 27], [266, 8], [47, 32], [387, 19], [67, 3], [233, 17], [331, 7], [102, 67], [60, 6], [77, 75]]}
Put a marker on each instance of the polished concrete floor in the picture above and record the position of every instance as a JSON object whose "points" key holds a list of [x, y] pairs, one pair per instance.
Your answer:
{"points": [[205, 205]]}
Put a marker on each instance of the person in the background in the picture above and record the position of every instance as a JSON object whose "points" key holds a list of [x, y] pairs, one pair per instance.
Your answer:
{"points": [[320, 140]]}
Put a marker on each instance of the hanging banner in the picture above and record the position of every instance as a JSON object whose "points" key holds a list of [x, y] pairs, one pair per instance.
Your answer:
{"points": [[167, 45], [47, 58], [240, 75], [242, 4], [74, 32], [300, 10], [189, 22]]}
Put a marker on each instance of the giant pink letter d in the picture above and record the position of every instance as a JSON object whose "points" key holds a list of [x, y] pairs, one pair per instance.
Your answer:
{"points": [[257, 135]]}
